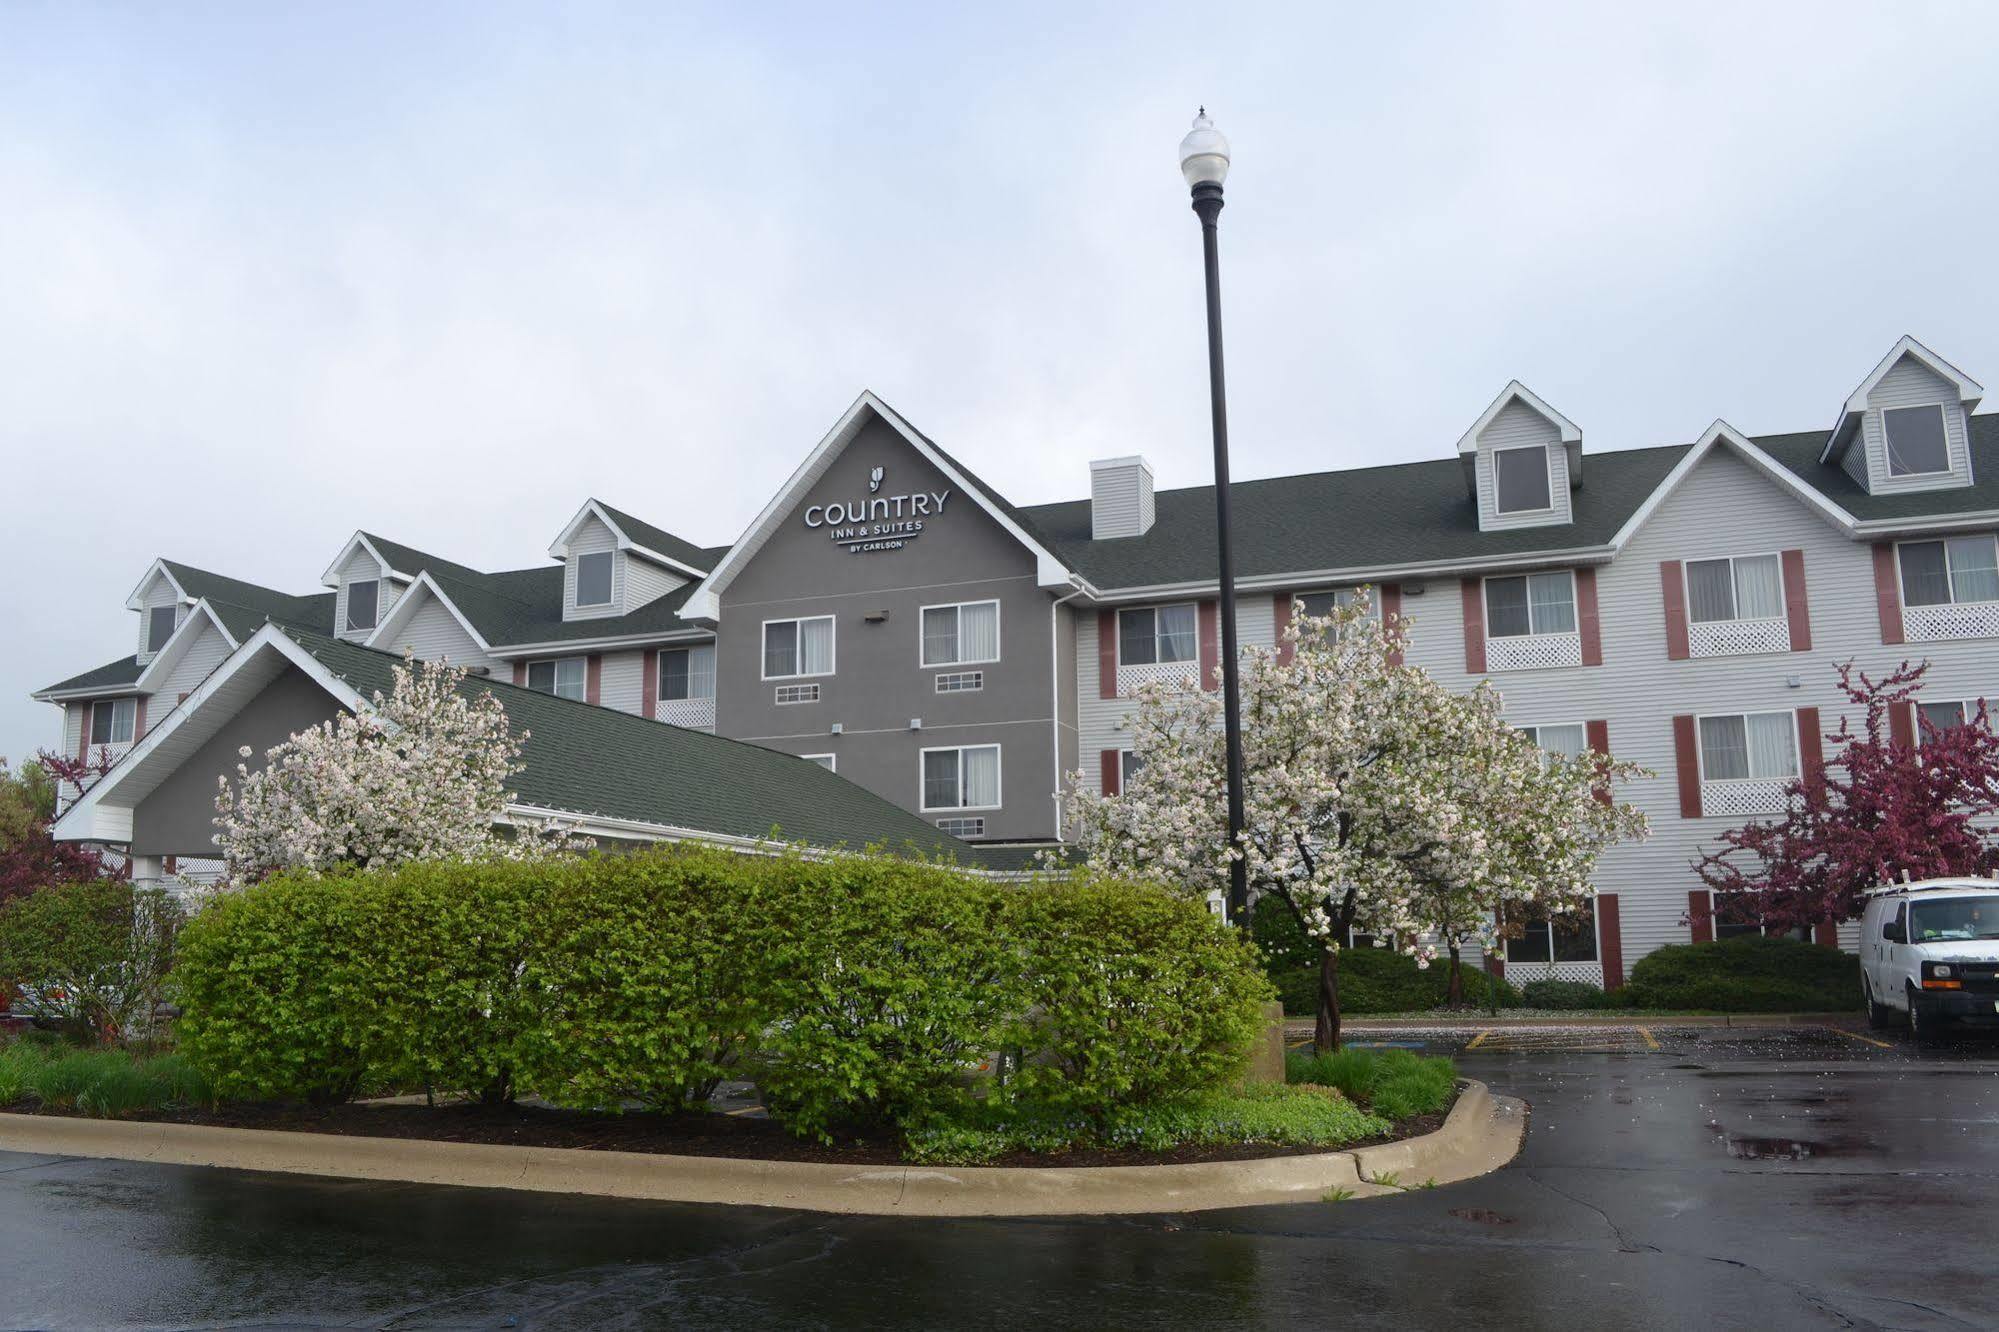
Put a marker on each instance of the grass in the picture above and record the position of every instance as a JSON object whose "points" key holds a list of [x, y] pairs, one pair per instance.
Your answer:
{"points": [[100, 1084], [1266, 1115], [1394, 1084]]}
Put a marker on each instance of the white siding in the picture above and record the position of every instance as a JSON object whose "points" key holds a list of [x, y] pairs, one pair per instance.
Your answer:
{"points": [[362, 566], [72, 727], [644, 582], [433, 633], [204, 654], [160, 593], [592, 536], [1520, 426], [1912, 384], [622, 685]]}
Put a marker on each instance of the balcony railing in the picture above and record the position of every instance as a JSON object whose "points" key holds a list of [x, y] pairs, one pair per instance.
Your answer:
{"points": [[1934, 624], [1743, 795], [1728, 638], [1533, 652], [695, 714], [1129, 678]]}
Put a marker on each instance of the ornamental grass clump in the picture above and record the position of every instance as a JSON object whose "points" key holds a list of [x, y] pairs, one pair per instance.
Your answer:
{"points": [[100, 1084], [1394, 1084]]}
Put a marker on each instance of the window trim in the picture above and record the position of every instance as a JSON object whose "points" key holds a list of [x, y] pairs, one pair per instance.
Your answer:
{"points": [[151, 611], [1155, 607], [922, 643], [126, 704], [610, 588], [1547, 472], [1687, 587], [1551, 961], [1537, 727], [659, 674], [1126, 758], [1967, 709], [347, 610], [833, 656], [555, 682], [1485, 602], [1888, 447], [922, 796], [832, 763], [1950, 583], [1797, 745]]}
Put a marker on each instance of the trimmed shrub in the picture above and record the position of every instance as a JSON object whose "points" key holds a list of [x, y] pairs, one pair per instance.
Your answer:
{"points": [[1749, 973], [1393, 1083], [90, 957], [1382, 980], [1549, 992], [1138, 996]]}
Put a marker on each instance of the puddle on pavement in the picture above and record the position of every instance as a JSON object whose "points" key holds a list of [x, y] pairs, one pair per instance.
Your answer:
{"points": [[1484, 1216], [1773, 1147]]}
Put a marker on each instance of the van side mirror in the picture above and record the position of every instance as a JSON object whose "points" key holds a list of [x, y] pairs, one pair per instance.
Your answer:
{"points": [[1894, 932]]}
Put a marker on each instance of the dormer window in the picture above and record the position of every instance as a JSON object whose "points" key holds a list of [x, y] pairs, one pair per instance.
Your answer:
{"points": [[1916, 440], [160, 623], [593, 578], [1521, 476], [364, 600]]}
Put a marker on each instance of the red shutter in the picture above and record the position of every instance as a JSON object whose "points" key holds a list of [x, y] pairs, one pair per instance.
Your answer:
{"points": [[1391, 619], [593, 678], [139, 721], [83, 735], [1902, 724], [649, 685], [521, 673], [1887, 594], [1687, 755], [1811, 748], [1474, 602], [1700, 914], [1110, 767], [1282, 610], [1610, 941], [1598, 734], [1673, 591], [1796, 606], [1825, 934], [1106, 653], [1587, 621], [1211, 644], [182, 699]]}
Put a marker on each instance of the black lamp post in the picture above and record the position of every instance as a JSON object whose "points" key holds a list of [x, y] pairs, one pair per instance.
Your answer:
{"points": [[1204, 161]]}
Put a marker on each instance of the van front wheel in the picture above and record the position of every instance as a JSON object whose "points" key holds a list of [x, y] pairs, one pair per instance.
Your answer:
{"points": [[1922, 1027]]}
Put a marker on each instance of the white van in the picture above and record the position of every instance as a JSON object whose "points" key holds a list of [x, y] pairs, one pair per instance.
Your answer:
{"points": [[1929, 954]]}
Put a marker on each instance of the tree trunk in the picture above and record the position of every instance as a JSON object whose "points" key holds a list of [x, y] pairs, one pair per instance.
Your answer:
{"points": [[1454, 991], [1326, 1032]]}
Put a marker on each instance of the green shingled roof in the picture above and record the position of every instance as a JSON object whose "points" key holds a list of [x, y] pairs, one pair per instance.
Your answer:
{"points": [[314, 611], [1800, 454], [111, 675], [659, 539], [583, 759]]}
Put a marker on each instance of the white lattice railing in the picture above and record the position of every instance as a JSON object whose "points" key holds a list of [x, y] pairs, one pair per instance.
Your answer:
{"points": [[1726, 638], [696, 714], [1129, 678], [1747, 795], [1589, 973], [1931, 624], [1533, 652]]}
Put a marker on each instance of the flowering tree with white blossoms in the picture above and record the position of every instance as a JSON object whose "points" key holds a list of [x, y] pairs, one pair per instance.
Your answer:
{"points": [[1376, 799], [419, 775]]}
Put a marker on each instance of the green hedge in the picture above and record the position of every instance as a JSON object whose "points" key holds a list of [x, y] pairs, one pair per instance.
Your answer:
{"points": [[861, 993], [1750, 973], [1566, 994], [1372, 980]]}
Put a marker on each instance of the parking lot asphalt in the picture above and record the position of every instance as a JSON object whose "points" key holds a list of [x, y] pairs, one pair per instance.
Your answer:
{"points": [[1731, 1178]]}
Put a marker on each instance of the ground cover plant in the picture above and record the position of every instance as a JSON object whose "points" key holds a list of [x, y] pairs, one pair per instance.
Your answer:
{"points": [[101, 1084], [1393, 1084]]}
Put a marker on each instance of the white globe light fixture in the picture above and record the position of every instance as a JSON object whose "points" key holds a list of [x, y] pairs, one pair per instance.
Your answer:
{"points": [[1204, 153]]}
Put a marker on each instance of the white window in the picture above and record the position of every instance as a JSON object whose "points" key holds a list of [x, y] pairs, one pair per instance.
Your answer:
{"points": [[1916, 442], [687, 673], [1520, 480], [1321, 604], [1941, 717], [563, 677], [593, 578], [796, 693], [1128, 764], [961, 682], [957, 635], [830, 762], [1954, 571], [1158, 634], [1542, 603], [160, 622], [798, 647], [1554, 941], [112, 721], [1568, 738], [364, 599], [1755, 746], [1742, 587], [962, 778]]}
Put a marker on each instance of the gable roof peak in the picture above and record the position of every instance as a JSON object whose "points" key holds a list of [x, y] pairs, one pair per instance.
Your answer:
{"points": [[1571, 433], [1969, 391], [637, 537]]}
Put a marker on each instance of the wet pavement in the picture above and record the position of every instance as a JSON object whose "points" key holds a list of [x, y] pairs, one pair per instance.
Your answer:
{"points": [[1727, 1178]]}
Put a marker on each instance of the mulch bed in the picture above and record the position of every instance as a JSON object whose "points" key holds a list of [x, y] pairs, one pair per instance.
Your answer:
{"points": [[711, 1134]]}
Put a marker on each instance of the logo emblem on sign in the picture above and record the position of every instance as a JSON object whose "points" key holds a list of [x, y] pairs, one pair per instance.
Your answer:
{"points": [[874, 480]]}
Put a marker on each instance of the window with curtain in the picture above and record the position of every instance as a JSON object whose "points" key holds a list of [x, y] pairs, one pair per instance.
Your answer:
{"points": [[1746, 587], [956, 635], [593, 578], [1940, 716], [160, 624], [112, 721], [1569, 738], [1758, 746], [563, 677], [1520, 480], [1542, 603], [1916, 442], [965, 778], [364, 599], [1158, 634], [798, 647], [1956, 570], [686, 673], [1128, 763]]}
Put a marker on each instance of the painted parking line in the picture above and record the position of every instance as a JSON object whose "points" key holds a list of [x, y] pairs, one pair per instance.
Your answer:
{"points": [[1479, 1039], [1646, 1032], [1885, 1045]]}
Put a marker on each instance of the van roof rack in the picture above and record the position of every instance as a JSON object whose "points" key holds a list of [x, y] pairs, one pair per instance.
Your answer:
{"points": [[1955, 884]]}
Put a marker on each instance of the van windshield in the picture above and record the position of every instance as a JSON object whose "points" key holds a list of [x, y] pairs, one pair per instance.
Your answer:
{"points": [[1954, 918]]}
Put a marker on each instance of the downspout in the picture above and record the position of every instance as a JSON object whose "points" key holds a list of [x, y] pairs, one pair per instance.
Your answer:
{"points": [[1055, 691]]}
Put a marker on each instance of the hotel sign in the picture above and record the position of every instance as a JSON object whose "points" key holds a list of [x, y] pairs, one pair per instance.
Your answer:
{"points": [[878, 522]]}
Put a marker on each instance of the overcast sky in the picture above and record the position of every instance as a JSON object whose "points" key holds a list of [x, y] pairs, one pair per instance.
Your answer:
{"points": [[269, 274]]}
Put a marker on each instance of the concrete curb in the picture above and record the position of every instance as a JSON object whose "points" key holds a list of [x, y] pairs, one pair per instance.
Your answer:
{"points": [[1481, 1133], [1295, 1027]]}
